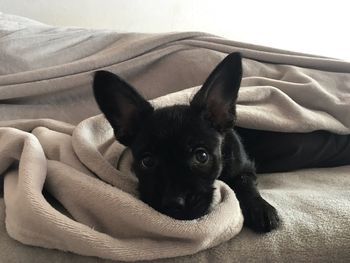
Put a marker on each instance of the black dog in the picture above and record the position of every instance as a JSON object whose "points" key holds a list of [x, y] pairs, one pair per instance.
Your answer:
{"points": [[180, 150]]}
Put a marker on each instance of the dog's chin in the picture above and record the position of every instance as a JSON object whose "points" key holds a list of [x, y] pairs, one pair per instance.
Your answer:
{"points": [[185, 215]]}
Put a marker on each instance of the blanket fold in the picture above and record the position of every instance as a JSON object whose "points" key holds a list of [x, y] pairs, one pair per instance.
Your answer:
{"points": [[105, 218]]}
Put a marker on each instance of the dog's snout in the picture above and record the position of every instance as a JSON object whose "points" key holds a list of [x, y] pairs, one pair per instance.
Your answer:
{"points": [[174, 203]]}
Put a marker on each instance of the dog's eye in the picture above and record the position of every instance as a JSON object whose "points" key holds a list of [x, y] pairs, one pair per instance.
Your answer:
{"points": [[201, 155], [148, 161]]}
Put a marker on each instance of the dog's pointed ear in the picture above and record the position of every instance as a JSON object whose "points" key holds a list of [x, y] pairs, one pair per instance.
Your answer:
{"points": [[123, 106], [216, 100]]}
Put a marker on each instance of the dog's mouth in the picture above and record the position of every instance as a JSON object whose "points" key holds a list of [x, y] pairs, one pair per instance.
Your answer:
{"points": [[194, 209]]}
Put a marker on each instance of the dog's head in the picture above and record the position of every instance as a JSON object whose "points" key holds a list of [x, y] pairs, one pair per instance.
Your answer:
{"points": [[177, 150]]}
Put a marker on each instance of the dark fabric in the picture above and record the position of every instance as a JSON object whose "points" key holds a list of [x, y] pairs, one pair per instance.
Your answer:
{"points": [[281, 152]]}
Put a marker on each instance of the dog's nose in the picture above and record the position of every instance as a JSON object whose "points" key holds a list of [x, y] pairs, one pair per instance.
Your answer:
{"points": [[174, 203]]}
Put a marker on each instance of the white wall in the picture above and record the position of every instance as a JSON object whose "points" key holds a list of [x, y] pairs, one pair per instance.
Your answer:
{"points": [[311, 26]]}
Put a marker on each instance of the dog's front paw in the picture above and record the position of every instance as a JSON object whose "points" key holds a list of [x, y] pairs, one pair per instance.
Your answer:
{"points": [[259, 215]]}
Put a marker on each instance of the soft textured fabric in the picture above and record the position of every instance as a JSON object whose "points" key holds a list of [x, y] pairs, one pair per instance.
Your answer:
{"points": [[46, 76], [46, 72], [109, 220], [313, 204]]}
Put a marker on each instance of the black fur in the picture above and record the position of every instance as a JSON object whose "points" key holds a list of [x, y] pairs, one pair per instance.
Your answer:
{"points": [[180, 150]]}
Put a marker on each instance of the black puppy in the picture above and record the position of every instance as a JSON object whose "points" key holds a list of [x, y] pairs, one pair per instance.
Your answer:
{"points": [[180, 150]]}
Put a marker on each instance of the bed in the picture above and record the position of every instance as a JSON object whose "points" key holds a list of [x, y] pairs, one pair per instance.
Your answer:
{"points": [[49, 121]]}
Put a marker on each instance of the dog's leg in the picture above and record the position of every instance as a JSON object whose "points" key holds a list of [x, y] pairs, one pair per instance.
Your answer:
{"points": [[289, 151], [239, 173], [258, 214]]}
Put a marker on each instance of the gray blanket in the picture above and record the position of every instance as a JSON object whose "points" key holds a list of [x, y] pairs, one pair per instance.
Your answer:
{"points": [[46, 74]]}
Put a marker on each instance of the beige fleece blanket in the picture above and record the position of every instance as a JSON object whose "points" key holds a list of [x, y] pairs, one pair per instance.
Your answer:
{"points": [[103, 218], [46, 75]]}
